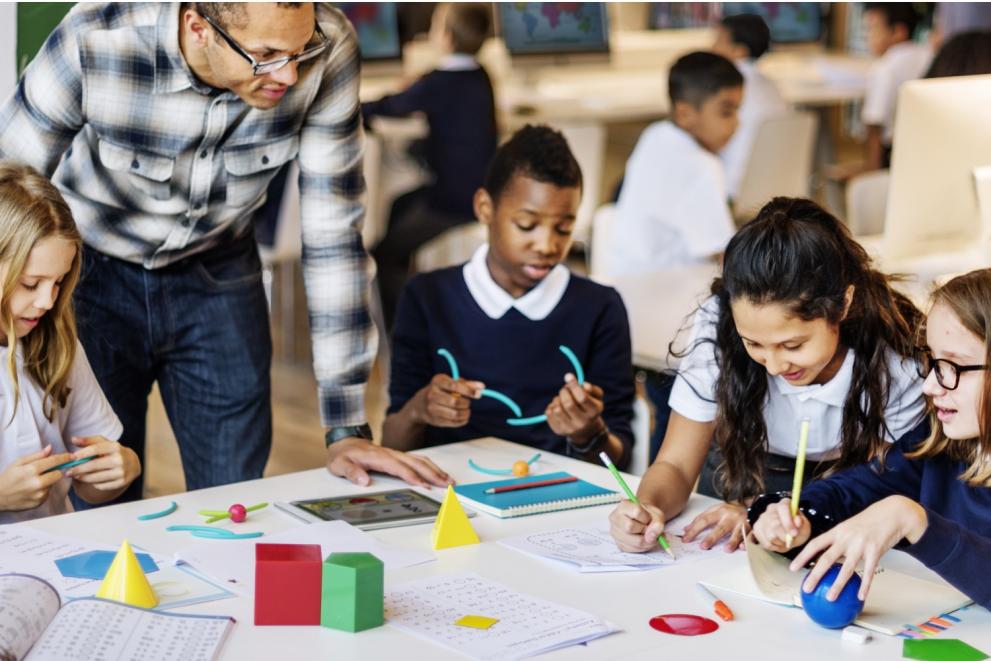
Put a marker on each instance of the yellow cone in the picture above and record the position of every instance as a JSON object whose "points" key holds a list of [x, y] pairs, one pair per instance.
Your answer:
{"points": [[452, 527], [126, 582]]}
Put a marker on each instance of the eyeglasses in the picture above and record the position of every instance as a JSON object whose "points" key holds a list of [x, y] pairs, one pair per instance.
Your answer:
{"points": [[262, 68], [947, 371]]}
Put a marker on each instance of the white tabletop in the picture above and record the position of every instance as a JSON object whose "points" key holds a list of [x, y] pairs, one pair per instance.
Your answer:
{"points": [[627, 599]]}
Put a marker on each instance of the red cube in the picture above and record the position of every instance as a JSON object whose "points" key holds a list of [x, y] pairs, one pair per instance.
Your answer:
{"points": [[287, 584]]}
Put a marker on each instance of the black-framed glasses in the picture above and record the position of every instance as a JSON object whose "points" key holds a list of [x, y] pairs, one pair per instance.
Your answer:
{"points": [[947, 372], [262, 68]]}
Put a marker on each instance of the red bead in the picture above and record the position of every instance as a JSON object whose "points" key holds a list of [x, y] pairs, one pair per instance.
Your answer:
{"points": [[238, 512]]}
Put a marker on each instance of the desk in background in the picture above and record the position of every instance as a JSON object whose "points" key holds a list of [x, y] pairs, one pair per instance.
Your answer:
{"points": [[628, 599]]}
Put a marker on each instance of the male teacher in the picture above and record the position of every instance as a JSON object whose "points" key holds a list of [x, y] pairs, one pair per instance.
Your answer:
{"points": [[162, 125]]}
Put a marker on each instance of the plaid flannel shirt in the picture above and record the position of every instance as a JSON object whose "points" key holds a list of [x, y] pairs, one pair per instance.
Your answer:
{"points": [[158, 166]]}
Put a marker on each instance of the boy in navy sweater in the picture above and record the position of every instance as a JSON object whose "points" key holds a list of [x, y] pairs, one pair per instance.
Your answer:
{"points": [[931, 499], [503, 316], [458, 102]]}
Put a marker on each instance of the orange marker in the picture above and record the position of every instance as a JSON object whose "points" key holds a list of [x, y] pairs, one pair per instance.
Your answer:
{"points": [[722, 610]]}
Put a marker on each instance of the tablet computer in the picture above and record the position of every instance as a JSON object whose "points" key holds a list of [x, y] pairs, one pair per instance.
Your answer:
{"points": [[368, 511]]}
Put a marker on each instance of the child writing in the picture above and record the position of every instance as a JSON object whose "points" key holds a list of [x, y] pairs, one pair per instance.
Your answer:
{"points": [[458, 101], [931, 498], [51, 409], [799, 325], [672, 208], [502, 317]]}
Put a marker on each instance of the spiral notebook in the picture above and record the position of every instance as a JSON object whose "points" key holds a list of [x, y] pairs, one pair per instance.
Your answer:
{"points": [[552, 498]]}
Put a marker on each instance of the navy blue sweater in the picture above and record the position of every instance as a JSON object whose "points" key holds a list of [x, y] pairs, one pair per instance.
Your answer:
{"points": [[956, 544], [513, 355], [460, 110]]}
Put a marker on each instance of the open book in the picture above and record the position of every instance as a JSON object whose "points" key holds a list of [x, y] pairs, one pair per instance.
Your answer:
{"points": [[34, 626], [895, 600]]}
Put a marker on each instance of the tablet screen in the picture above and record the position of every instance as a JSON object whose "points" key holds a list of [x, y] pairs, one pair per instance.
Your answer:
{"points": [[373, 510]]}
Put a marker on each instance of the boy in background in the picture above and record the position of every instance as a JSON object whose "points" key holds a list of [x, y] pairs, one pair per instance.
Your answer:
{"points": [[458, 102], [672, 210], [889, 27], [743, 39]]}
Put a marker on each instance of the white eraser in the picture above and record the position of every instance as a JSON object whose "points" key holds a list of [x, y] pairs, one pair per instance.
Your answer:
{"points": [[857, 635]]}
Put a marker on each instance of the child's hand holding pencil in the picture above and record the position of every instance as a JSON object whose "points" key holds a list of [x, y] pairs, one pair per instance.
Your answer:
{"points": [[777, 530]]}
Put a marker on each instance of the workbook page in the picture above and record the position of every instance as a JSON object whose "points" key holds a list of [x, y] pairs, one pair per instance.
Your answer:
{"points": [[27, 605], [98, 630]]}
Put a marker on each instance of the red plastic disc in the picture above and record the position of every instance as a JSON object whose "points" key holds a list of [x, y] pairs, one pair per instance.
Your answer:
{"points": [[360, 500], [683, 625]]}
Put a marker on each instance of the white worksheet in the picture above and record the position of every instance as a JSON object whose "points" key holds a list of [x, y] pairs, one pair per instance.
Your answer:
{"points": [[526, 625], [97, 630], [592, 549]]}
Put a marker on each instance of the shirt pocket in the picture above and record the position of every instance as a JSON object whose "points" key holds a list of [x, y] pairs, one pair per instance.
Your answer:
{"points": [[151, 174], [250, 168]]}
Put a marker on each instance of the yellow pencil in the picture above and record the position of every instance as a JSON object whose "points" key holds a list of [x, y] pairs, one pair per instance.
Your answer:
{"points": [[796, 486]]}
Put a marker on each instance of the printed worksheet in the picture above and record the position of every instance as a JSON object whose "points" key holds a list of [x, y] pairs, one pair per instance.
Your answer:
{"points": [[523, 625], [592, 549], [27, 605]]}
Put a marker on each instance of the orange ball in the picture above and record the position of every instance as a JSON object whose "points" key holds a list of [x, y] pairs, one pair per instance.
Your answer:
{"points": [[521, 468]]}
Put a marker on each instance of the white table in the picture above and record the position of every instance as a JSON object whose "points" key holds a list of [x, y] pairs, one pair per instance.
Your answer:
{"points": [[628, 599]]}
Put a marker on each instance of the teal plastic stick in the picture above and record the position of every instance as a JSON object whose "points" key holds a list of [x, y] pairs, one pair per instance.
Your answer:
{"points": [[570, 355], [523, 422], [70, 464], [158, 515], [215, 533], [495, 394], [453, 364]]}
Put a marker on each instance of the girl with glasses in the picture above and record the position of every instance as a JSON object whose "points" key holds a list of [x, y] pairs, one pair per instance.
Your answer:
{"points": [[931, 499]]}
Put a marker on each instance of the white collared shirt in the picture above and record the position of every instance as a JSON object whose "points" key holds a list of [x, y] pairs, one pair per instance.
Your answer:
{"points": [[761, 100], [86, 413], [902, 62], [693, 396], [495, 301], [673, 208], [458, 62]]}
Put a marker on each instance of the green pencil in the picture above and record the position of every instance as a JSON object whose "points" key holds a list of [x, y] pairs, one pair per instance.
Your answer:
{"points": [[629, 494]]}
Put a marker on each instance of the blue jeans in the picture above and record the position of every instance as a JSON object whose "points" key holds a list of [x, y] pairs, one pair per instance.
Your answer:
{"points": [[200, 329]]}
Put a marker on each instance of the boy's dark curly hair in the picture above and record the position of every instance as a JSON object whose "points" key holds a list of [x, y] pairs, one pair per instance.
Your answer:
{"points": [[536, 152]]}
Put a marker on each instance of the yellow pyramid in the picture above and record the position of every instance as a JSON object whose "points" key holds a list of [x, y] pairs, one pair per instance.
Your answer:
{"points": [[452, 527], [126, 582]]}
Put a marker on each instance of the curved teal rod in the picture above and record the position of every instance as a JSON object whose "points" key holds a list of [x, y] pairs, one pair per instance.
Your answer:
{"points": [[495, 394], [453, 364]]}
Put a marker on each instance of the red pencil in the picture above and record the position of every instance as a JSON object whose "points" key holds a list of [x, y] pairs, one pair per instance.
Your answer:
{"points": [[532, 485]]}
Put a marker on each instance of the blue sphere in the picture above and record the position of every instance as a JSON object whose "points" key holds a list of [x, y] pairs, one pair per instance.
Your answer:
{"points": [[833, 614]]}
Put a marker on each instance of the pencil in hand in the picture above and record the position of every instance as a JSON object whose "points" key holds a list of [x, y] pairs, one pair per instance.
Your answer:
{"points": [[661, 539]]}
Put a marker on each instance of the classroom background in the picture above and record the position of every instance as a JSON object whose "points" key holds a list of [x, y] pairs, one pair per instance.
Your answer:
{"points": [[600, 77]]}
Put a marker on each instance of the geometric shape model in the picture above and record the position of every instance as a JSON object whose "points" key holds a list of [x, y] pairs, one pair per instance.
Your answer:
{"points": [[95, 564], [352, 593], [949, 649], [476, 621], [452, 527], [126, 583], [287, 584]]}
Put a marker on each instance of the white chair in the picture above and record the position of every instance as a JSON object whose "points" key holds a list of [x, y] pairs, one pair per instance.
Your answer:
{"points": [[866, 201], [599, 241], [454, 246], [780, 162]]}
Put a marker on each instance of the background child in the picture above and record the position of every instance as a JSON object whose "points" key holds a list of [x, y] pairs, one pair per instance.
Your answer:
{"points": [[890, 27], [931, 499], [504, 314], [799, 326], [51, 408], [743, 39], [457, 100], [672, 208]]}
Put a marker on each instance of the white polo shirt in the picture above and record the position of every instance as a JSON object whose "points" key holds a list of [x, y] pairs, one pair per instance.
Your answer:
{"points": [[761, 100], [902, 62], [86, 413], [673, 208], [495, 301], [693, 396]]}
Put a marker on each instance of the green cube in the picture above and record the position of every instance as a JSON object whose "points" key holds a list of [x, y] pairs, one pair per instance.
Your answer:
{"points": [[352, 593]]}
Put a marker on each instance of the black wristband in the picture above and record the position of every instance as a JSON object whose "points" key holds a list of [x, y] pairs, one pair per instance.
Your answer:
{"points": [[592, 444], [335, 434]]}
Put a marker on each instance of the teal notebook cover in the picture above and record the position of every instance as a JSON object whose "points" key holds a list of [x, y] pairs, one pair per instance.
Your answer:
{"points": [[538, 499]]}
